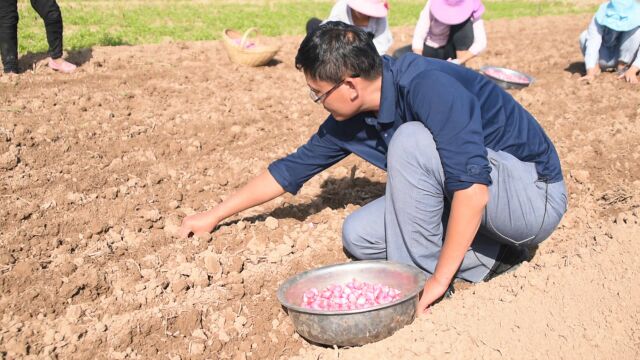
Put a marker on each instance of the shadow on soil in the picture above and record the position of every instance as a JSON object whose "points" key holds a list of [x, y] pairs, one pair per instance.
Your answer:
{"points": [[30, 60], [336, 194]]}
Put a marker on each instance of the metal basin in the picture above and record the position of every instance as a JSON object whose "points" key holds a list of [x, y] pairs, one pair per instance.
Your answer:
{"points": [[353, 327], [501, 81]]}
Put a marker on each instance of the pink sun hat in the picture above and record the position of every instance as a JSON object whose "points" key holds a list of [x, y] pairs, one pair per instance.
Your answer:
{"points": [[453, 12], [373, 8]]}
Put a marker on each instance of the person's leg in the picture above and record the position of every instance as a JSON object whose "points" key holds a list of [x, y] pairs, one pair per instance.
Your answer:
{"points": [[629, 46], [49, 11], [522, 210], [313, 24], [608, 57], [449, 51], [363, 232], [435, 53], [461, 37], [416, 208], [9, 35]]}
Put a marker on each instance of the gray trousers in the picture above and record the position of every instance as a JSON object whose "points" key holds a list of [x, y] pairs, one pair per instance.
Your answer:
{"points": [[408, 223]]}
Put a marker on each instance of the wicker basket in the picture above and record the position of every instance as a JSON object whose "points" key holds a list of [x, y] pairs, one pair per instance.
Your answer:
{"points": [[242, 51]]}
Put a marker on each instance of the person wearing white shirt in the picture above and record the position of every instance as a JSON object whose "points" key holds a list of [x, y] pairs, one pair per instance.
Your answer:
{"points": [[369, 15]]}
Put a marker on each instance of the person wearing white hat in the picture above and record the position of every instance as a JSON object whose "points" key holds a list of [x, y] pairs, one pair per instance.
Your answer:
{"points": [[612, 40], [369, 15]]}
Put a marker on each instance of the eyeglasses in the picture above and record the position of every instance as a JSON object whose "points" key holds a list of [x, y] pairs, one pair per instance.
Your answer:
{"points": [[320, 98]]}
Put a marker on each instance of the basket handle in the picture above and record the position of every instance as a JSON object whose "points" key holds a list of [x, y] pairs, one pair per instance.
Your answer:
{"points": [[246, 36]]}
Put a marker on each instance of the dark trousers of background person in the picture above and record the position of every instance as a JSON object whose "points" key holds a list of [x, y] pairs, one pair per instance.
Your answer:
{"points": [[48, 10], [460, 39]]}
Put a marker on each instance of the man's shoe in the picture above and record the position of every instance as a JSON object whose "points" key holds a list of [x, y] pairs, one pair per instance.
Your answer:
{"points": [[508, 259]]}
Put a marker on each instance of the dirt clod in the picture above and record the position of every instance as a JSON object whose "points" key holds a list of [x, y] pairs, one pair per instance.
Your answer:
{"points": [[271, 223]]}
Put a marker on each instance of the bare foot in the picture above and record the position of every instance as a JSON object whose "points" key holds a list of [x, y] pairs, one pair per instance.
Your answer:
{"points": [[62, 65]]}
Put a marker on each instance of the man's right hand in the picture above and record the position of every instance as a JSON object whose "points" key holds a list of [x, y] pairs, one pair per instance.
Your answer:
{"points": [[258, 190], [198, 223], [417, 51]]}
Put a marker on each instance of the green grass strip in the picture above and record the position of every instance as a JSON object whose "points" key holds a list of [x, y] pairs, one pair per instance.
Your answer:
{"points": [[118, 22]]}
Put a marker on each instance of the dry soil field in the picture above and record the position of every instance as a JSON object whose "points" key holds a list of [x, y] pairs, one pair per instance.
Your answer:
{"points": [[97, 169]]}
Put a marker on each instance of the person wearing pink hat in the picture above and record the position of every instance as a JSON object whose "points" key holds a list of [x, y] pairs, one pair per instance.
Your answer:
{"points": [[450, 30], [369, 15]]}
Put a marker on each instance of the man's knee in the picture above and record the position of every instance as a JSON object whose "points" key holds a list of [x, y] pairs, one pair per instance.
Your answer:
{"points": [[413, 142], [352, 237], [358, 239], [412, 137]]}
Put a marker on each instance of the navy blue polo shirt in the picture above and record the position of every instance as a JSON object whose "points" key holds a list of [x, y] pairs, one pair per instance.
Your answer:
{"points": [[465, 112]]}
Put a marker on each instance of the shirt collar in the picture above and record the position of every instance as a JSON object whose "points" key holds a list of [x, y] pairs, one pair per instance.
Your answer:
{"points": [[387, 111]]}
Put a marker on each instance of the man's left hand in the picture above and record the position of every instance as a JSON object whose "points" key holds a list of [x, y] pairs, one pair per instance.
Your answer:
{"points": [[434, 289]]}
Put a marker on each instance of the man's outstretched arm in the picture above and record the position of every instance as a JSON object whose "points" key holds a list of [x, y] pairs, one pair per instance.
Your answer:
{"points": [[258, 190]]}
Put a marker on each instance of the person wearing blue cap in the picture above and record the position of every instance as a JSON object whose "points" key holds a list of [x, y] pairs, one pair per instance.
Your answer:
{"points": [[612, 40]]}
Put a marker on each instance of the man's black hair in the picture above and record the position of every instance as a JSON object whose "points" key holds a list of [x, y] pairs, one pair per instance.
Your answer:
{"points": [[336, 50]]}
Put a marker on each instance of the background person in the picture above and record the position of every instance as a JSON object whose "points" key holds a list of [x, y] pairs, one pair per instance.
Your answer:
{"points": [[449, 30], [612, 40], [369, 15], [49, 11]]}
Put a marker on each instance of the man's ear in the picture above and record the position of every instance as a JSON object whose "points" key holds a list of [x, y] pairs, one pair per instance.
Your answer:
{"points": [[353, 89]]}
